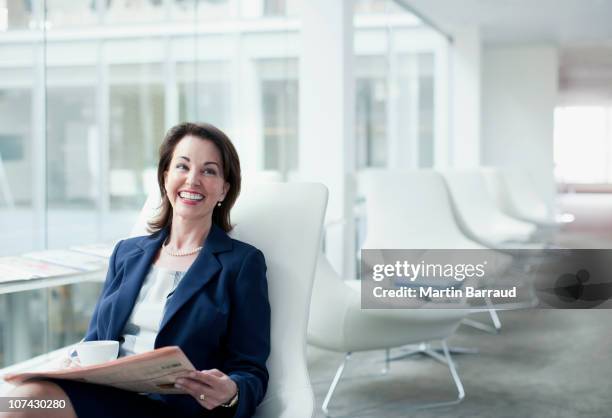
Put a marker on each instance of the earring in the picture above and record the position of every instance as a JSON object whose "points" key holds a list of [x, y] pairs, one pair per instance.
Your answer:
{"points": [[219, 203]]}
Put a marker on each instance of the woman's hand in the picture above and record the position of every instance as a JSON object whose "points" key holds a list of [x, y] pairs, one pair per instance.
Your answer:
{"points": [[210, 388]]}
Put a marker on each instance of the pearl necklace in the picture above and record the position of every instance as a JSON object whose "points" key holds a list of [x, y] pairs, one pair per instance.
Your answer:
{"points": [[180, 253]]}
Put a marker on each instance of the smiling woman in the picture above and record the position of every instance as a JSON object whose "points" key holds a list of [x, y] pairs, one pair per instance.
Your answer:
{"points": [[193, 183], [187, 284], [218, 165]]}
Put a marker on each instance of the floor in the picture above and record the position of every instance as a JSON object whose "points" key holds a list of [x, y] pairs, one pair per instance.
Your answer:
{"points": [[543, 363]]}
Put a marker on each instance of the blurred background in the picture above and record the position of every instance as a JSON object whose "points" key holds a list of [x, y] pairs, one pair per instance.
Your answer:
{"points": [[307, 90]]}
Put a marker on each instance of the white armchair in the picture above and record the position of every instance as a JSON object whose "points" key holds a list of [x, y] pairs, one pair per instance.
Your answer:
{"points": [[338, 323], [411, 209], [515, 195], [479, 216], [283, 220]]}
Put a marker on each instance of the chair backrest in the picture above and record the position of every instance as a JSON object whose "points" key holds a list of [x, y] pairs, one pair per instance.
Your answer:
{"points": [[410, 209], [149, 180], [283, 220], [331, 301], [516, 196], [148, 211], [477, 210]]}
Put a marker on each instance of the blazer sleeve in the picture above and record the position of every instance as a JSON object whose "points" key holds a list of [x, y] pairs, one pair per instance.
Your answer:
{"points": [[248, 340], [92, 330]]}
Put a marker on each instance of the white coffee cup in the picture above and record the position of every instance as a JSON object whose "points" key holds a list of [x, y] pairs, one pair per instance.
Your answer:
{"points": [[96, 352]]}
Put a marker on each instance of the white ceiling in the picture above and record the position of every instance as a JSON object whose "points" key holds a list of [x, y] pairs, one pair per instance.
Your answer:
{"points": [[582, 29], [523, 21]]}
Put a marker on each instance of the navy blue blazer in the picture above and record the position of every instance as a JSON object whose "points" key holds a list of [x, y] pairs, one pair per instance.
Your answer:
{"points": [[219, 314]]}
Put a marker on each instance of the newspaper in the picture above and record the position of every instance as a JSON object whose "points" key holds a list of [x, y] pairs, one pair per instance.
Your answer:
{"points": [[104, 250], [151, 372], [20, 268], [9, 274]]}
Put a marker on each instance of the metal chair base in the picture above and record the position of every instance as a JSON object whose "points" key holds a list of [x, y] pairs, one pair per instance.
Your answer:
{"points": [[445, 359], [492, 309], [484, 327], [435, 353]]}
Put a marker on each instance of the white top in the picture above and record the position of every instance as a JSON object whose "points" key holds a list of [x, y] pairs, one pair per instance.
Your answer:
{"points": [[143, 324]]}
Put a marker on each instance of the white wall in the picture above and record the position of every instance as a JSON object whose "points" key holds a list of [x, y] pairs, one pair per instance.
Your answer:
{"points": [[519, 93]]}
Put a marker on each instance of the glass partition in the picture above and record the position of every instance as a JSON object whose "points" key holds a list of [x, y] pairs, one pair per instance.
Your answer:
{"points": [[401, 67], [401, 70], [88, 90], [279, 103], [87, 93]]}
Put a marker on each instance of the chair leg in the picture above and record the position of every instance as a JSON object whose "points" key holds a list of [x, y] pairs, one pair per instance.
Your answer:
{"points": [[493, 314], [492, 308], [385, 369], [435, 353], [479, 325], [418, 349], [454, 374], [332, 388], [448, 360], [484, 327], [445, 359]]}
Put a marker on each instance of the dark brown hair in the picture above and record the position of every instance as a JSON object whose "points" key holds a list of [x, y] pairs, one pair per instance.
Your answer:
{"points": [[231, 171]]}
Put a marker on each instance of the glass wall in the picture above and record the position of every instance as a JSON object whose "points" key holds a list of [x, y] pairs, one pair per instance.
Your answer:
{"points": [[399, 66], [279, 102], [86, 96], [88, 90], [401, 97]]}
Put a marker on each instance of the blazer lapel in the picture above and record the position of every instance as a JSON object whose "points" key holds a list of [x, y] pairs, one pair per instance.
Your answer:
{"points": [[137, 267], [203, 269]]}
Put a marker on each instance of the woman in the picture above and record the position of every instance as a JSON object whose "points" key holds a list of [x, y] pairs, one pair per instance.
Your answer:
{"points": [[187, 284]]}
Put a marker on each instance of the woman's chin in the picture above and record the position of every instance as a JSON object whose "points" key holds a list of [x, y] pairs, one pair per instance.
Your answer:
{"points": [[190, 214]]}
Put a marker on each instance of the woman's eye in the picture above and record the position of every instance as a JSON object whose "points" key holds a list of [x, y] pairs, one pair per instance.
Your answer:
{"points": [[181, 166], [209, 172]]}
